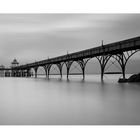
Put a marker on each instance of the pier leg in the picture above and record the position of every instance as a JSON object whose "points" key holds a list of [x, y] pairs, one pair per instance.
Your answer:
{"points": [[27, 72], [122, 63], [123, 71], [123, 58], [103, 61], [83, 71], [59, 65], [49, 72], [46, 70], [68, 65], [82, 64], [46, 73], [35, 71], [102, 73], [61, 72], [68, 73], [35, 74]]}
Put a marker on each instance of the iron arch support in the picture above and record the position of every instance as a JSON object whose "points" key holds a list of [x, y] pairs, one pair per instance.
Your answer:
{"points": [[123, 58], [68, 65], [59, 65], [28, 71], [103, 61], [130, 54], [35, 69], [46, 71], [82, 64], [48, 67]]}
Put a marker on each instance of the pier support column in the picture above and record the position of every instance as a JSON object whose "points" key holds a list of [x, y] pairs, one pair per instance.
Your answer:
{"points": [[23, 73], [46, 70], [59, 65], [123, 65], [61, 72], [35, 69], [83, 72], [103, 61], [122, 58], [68, 73], [102, 72], [82, 64], [68, 65], [28, 72]]}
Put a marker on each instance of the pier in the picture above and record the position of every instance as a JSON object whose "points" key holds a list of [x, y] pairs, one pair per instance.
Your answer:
{"points": [[120, 51]]}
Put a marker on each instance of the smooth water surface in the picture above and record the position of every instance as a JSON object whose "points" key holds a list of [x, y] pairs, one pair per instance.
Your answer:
{"points": [[55, 101]]}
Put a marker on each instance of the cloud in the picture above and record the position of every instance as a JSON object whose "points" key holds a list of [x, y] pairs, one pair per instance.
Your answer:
{"points": [[41, 23], [37, 36]]}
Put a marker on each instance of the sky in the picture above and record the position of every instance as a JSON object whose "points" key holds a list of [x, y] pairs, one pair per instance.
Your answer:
{"points": [[34, 37]]}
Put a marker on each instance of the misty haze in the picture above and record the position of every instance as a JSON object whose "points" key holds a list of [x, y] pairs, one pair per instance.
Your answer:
{"points": [[69, 69]]}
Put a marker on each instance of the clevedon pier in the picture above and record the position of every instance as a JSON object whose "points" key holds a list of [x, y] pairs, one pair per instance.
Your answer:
{"points": [[120, 51]]}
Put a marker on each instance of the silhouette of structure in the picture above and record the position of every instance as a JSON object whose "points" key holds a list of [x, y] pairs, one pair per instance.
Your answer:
{"points": [[2, 74], [14, 73], [120, 51]]}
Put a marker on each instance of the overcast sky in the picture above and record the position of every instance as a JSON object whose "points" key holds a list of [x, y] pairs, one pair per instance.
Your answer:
{"points": [[33, 37]]}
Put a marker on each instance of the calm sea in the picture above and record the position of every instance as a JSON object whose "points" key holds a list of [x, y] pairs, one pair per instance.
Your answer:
{"points": [[55, 101]]}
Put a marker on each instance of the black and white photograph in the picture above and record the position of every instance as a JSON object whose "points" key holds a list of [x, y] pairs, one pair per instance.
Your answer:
{"points": [[65, 71], [70, 69]]}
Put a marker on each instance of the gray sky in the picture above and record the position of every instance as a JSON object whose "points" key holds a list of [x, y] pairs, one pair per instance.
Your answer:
{"points": [[30, 37]]}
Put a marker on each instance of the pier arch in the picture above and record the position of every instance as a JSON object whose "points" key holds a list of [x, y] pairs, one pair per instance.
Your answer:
{"points": [[54, 69], [32, 72], [123, 58], [79, 65], [42, 71], [92, 66]]}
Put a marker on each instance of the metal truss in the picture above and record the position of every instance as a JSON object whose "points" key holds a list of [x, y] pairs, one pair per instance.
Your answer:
{"points": [[123, 58]]}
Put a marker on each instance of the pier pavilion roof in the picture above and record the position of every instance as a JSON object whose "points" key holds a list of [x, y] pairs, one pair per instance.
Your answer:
{"points": [[14, 62]]}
